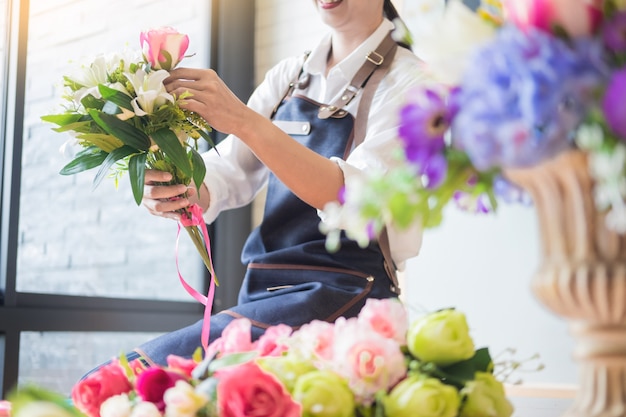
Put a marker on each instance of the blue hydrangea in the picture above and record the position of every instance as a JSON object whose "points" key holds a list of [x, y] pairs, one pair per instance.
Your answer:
{"points": [[522, 98]]}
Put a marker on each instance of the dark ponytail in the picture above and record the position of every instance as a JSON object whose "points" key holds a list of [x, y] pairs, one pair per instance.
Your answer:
{"points": [[390, 12]]}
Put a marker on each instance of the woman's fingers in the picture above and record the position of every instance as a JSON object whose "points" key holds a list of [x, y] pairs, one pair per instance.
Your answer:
{"points": [[163, 200]]}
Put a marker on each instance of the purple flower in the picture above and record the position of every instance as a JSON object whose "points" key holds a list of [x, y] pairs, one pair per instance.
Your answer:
{"points": [[522, 99], [424, 122], [614, 33], [466, 202], [435, 170], [613, 103]]}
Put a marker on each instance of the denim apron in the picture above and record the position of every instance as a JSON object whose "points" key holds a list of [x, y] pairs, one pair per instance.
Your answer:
{"points": [[291, 278]]}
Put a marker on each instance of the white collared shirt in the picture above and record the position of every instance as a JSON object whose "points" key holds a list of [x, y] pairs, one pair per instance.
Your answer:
{"points": [[236, 176]]}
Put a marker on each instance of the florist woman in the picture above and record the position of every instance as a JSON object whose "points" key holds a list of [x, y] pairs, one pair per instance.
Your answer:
{"points": [[314, 123]]}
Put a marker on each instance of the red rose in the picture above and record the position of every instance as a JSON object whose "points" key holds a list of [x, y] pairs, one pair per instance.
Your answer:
{"points": [[94, 389], [247, 391], [152, 384]]}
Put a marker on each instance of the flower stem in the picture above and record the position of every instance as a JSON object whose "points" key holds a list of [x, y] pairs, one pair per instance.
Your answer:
{"points": [[196, 237]]}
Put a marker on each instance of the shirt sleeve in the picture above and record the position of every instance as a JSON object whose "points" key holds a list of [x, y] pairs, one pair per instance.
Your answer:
{"points": [[234, 175]]}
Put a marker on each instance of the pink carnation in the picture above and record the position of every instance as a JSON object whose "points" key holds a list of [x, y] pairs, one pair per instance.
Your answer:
{"points": [[370, 363], [313, 341], [387, 317], [271, 343], [183, 365], [236, 337]]}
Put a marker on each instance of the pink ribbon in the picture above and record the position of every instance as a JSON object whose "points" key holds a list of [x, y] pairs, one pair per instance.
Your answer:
{"points": [[197, 220]]}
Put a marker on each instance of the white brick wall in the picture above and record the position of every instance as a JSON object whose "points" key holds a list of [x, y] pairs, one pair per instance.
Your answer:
{"points": [[284, 28]]}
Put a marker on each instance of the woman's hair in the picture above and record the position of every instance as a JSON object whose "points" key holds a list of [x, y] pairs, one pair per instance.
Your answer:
{"points": [[391, 13]]}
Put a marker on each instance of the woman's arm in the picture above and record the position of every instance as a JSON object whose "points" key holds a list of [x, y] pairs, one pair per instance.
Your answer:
{"points": [[312, 177]]}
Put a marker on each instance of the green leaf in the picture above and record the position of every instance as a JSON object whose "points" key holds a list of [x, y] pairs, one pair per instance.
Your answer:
{"points": [[125, 132], [90, 102], [22, 397], [88, 158], [137, 173], [80, 126], [115, 96], [62, 119], [112, 158], [173, 149], [103, 141], [199, 169], [208, 138], [231, 359], [465, 370]]}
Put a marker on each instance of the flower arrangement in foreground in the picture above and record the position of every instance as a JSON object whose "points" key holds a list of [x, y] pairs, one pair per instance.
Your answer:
{"points": [[517, 83], [124, 121], [374, 365]]}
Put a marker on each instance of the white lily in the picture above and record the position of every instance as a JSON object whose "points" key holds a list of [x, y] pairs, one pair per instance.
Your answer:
{"points": [[150, 91], [450, 39]]}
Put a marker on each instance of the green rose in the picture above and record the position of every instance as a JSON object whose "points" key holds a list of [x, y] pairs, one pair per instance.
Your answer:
{"points": [[485, 397], [286, 368], [324, 394], [417, 396], [441, 337]]}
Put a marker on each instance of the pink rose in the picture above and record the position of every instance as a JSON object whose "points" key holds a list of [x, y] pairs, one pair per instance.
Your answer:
{"points": [[153, 382], [247, 391], [183, 365], [89, 394], [164, 47], [386, 317], [369, 362], [576, 17], [5, 409], [236, 338], [271, 343]]}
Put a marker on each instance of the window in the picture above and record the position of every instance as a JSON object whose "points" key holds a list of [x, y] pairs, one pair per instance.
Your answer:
{"points": [[86, 273]]}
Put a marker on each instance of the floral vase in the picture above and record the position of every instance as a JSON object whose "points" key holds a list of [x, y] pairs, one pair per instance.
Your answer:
{"points": [[582, 278]]}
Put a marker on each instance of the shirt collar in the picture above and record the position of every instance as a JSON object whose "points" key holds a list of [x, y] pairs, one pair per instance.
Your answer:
{"points": [[316, 63]]}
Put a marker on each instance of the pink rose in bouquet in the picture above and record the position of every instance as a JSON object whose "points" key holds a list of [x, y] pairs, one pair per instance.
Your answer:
{"points": [[89, 394], [576, 17], [163, 47], [248, 391]]}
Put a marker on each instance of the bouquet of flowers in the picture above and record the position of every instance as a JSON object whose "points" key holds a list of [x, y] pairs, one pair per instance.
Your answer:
{"points": [[517, 83], [124, 121], [377, 364]]}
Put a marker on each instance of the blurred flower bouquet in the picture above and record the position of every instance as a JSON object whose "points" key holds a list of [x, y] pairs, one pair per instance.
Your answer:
{"points": [[377, 364], [517, 83], [124, 121]]}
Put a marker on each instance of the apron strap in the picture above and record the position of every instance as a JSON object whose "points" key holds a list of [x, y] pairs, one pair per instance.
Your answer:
{"points": [[383, 55], [360, 127]]}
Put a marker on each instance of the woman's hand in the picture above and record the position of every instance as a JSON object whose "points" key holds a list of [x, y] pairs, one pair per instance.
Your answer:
{"points": [[208, 96], [164, 200]]}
